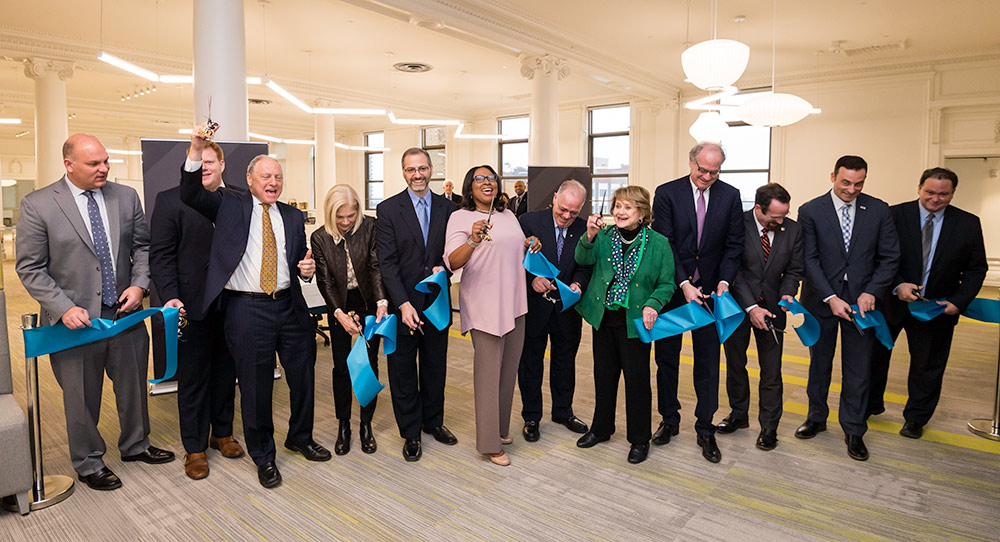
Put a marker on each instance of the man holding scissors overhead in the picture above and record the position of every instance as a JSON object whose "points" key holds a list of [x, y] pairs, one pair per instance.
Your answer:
{"points": [[410, 233]]}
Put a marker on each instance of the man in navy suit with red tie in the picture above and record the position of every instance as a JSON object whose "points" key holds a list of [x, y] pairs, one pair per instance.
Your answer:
{"points": [[559, 229], [703, 219]]}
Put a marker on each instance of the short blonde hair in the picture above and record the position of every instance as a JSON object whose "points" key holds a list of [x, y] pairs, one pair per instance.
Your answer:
{"points": [[339, 196], [639, 197]]}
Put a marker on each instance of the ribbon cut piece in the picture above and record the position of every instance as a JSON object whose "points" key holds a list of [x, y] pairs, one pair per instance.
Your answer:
{"points": [[438, 311], [808, 332], [540, 266], [728, 315], [363, 380], [684, 318], [876, 321]]}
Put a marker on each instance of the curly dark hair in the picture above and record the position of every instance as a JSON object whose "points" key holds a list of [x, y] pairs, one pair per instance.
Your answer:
{"points": [[468, 202]]}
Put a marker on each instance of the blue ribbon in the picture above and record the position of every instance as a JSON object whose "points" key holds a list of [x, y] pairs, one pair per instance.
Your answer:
{"points": [[808, 332], [44, 340], [876, 321], [984, 310], [683, 318], [728, 315], [925, 311], [540, 266], [363, 380], [440, 309]]}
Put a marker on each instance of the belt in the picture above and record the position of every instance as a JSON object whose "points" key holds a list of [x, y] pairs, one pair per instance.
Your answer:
{"points": [[258, 295]]}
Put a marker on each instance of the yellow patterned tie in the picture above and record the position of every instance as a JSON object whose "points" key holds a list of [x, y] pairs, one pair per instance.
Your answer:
{"points": [[269, 255]]}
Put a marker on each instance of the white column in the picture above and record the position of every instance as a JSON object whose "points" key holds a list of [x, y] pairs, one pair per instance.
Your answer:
{"points": [[326, 161], [544, 71], [134, 161], [51, 127], [220, 72]]}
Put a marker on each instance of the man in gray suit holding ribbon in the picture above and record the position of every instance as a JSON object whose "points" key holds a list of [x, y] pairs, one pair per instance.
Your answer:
{"points": [[82, 253]]}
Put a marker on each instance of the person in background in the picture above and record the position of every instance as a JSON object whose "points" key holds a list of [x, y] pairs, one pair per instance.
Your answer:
{"points": [[449, 192], [519, 203]]}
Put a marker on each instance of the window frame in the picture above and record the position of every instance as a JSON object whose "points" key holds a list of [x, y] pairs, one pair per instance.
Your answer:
{"points": [[368, 180], [500, 145], [595, 178]]}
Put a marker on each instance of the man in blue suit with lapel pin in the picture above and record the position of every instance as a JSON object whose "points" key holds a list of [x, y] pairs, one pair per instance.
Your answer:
{"points": [[559, 229], [703, 219], [851, 253], [409, 236]]}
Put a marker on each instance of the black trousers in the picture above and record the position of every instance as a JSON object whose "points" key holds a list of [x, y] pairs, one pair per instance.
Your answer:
{"points": [[417, 388], [929, 344], [206, 383], [738, 381], [256, 329], [340, 342], [564, 330], [615, 354], [706, 374]]}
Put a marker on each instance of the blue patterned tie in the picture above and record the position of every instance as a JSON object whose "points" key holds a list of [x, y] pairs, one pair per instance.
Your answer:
{"points": [[423, 217], [560, 239], [845, 225], [109, 292]]}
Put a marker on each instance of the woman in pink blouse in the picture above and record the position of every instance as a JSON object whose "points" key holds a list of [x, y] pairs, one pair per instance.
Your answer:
{"points": [[488, 248]]}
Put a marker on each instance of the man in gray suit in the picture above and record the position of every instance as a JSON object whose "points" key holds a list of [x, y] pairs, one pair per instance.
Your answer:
{"points": [[82, 253]]}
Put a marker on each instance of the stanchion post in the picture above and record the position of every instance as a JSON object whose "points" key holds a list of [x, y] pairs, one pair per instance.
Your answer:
{"points": [[987, 428]]}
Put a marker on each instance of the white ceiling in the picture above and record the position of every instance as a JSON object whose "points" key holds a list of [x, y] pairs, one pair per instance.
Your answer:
{"points": [[342, 51]]}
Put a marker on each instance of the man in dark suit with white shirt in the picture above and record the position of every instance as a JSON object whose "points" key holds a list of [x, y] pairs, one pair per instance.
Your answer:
{"points": [[942, 256], [770, 270], [559, 229], [851, 253], [519, 203]]}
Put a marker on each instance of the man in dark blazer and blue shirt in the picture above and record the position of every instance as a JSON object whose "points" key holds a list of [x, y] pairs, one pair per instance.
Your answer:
{"points": [[851, 253], [770, 270], [703, 219], [409, 236], [258, 254], [559, 229], [942, 255]]}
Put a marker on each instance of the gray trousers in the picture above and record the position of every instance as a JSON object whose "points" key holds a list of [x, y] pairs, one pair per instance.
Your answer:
{"points": [[494, 373], [80, 373]]}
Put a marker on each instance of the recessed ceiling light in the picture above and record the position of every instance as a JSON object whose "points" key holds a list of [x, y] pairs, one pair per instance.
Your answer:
{"points": [[412, 67]]}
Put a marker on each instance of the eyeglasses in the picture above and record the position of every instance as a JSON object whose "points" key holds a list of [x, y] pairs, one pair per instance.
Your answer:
{"points": [[480, 179], [424, 170], [709, 172]]}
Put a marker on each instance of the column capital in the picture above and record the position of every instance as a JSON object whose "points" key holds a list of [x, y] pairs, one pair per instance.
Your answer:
{"points": [[545, 64], [35, 68], [324, 102]]}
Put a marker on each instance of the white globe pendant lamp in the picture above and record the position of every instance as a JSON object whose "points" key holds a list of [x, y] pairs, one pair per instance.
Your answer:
{"points": [[715, 63], [709, 128]]}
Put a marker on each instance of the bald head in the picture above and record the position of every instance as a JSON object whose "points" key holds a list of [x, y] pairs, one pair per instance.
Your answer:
{"points": [[265, 178], [86, 161]]}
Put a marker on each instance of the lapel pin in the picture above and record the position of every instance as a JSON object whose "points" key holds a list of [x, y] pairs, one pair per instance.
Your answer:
{"points": [[862, 207]]}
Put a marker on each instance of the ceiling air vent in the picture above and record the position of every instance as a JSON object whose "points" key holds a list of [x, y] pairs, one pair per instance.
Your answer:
{"points": [[879, 48], [412, 67], [258, 101]]}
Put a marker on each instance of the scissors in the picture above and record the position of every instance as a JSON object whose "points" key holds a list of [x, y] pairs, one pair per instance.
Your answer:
{"points": [[857, 326], [774, 331], [712, 314], [489, 219], [361, 326], [916, 292], [420, 328]]}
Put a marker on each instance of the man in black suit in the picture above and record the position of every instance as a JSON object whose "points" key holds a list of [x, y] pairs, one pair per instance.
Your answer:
{"points": [[771, 267], [559, 229], [519, 203], [180, 242], [942, 255], [851, 253], [258, 254], [703, 219], [410, 241], [449, 192]]}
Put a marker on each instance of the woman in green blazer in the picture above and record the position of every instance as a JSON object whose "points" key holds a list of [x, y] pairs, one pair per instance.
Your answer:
{"points": [[633, 277]]}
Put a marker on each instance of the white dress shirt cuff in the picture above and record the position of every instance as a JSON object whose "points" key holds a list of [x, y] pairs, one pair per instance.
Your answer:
{"points": [[191, 166]]}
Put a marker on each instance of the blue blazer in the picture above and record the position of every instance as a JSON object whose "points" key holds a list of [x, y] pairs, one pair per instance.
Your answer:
{"points": [[675, 217], [231, 210], [871, 263]]}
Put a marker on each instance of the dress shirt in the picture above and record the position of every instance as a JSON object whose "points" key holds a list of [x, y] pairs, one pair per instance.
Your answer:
{"points": [[770, 240], [694, 196], [851, 212], [80, 199], [427, 199], [938, 220]]}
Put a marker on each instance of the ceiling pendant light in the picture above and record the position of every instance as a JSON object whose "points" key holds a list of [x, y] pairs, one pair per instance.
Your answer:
{"points": [[709, 127], [715, 64]]}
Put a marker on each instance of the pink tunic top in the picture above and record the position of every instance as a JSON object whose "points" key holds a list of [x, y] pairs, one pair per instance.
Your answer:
{"points": [[493, 291]]}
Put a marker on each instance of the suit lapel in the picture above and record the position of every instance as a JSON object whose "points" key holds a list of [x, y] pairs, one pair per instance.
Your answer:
{"points": [[833, 217], [410, 218], [752, 233], [114, 227], [860, 220], [948, 230], [687, 196], [64, 199]]}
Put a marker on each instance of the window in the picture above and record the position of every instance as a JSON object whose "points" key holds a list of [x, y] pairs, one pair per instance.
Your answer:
{"points": [[513, 151], [374, 170], [748, 152], [433, 140], [608, 152]]}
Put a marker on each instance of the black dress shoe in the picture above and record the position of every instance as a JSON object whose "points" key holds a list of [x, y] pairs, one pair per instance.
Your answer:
{"points": [[268, 475], [572, 423], [368, 444], [638, 452], [912, 430], [729, 424], [767, 439], [442, 435], [311, 451], [343, 444], [151, 455], [102, 480], [530, 431], [709, 449], [809, 428], [411, 449], [856, 447], [664, 432], [589, 439]]}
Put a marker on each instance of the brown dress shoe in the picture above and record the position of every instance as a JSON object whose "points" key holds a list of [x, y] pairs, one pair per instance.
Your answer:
{"points": [[196, 466], [227, 445]]}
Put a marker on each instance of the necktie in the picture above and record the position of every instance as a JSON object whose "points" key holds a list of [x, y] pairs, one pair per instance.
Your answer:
{"points": [[765, 243], [700, 211], [269, 254], [928, 239], [109, 291], [845, 225], [560, 239], [423, 217]]}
